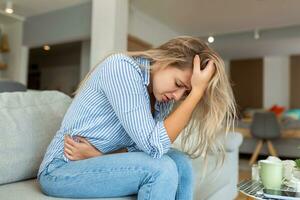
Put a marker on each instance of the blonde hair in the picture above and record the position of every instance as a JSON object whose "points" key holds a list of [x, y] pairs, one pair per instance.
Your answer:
{"points": [[215, 113]]}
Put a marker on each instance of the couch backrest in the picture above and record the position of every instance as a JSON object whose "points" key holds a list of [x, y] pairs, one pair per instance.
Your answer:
{"points": [[28, 122]]}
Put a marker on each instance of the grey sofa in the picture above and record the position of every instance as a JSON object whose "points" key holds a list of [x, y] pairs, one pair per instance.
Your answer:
{"points": [[11, 86], [30, 119]]}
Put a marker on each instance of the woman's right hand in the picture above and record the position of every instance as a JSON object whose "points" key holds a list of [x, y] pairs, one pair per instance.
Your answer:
{"points": [[79, 150], [201, 78]]}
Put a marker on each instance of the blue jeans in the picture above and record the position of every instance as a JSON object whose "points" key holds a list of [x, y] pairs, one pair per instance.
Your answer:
{"points": [[122, 174]]}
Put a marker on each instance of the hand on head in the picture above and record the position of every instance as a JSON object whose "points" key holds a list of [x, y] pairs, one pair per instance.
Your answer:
{"points": [[201, 77]]}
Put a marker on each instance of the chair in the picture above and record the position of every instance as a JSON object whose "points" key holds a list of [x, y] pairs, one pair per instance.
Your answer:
{"points": [[265, 127], [11, 86]]}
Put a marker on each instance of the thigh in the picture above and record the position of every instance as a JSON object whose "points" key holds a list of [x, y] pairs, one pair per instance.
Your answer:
{"points": [[183, 163], [179, 157], [105, 176], [186, 174]]}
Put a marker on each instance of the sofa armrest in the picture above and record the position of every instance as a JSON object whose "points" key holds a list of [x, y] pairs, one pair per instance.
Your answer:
{"points": [[233, 141]]}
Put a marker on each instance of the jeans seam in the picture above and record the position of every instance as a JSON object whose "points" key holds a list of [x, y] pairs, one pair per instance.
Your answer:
{"points": [[138, 170], [97, 171]]}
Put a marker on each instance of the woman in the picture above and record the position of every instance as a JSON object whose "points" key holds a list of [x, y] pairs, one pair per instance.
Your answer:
{"points": [[115, 137]]}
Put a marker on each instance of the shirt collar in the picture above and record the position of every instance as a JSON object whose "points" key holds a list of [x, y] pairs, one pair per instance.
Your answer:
{"points": [[145, 67]]}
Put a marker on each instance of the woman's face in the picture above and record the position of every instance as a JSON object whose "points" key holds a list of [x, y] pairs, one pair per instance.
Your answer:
{"points": [[171, 83]]}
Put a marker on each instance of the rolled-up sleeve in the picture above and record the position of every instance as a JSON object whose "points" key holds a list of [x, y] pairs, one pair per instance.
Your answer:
{"points": [[123, 85]]}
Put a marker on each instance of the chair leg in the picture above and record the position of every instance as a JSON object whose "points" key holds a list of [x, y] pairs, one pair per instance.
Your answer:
{"points": [[271, 148], [256, 152]]}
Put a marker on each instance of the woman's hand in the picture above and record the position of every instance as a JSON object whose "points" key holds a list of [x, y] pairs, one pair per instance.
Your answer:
{"points": [[79, 150], [201, 77]]}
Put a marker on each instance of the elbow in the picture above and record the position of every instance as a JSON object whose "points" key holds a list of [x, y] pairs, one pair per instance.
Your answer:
{"points": [[157, 152]]}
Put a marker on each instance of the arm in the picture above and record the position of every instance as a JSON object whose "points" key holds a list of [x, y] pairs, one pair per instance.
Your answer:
{"points": [[175, 122], [82, 149]]}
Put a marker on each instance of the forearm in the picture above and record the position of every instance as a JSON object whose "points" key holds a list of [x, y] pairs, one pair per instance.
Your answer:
{"points": [[124, 150], [175, 123]]}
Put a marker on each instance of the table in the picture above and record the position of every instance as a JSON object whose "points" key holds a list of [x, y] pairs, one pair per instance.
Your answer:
{"points": [[253, 189]]}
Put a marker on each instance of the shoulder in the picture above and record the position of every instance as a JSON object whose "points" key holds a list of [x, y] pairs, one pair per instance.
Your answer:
{"points": [[121, 63]]}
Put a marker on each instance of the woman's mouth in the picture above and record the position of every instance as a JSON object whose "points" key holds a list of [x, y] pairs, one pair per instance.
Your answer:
{"points": [[165, 98]]}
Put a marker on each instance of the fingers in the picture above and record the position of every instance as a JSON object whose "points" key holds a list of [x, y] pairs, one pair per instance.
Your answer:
{"points": [[70, 140], [69, 156], [68, 146], [210, 67], [69, 151], [196, 64]]}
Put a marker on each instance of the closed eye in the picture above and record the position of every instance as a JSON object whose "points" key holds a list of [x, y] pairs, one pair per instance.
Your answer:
{"points": [[178, 85]]}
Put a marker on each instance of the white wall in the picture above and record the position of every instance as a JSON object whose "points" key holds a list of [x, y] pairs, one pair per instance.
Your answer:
{"points": [[109, 28], [227, 67], [60, 26], [85, 58], [276, 81], [17, 56], [148, 29], [273, 42]]}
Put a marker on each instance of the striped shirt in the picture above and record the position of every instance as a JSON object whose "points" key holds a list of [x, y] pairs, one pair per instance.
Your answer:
{"points": [[112, 111]]}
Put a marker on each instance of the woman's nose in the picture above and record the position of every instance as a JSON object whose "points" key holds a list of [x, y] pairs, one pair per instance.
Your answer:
{"points": [[177, 95]]}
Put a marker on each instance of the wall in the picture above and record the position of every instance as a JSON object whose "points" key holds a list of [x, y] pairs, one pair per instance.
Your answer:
{"points": [[282, 41], [60, 67], [60, 77], [59, 26], [74, 23], [276, 81], [85, 58], [148, 29], [18, 54]]}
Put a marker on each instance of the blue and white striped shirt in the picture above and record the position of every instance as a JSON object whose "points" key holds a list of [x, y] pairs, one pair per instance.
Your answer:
{"points": [[112, 111]]}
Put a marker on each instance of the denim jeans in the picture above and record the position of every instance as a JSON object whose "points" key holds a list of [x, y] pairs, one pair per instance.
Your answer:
{"points": [[122, 174]]}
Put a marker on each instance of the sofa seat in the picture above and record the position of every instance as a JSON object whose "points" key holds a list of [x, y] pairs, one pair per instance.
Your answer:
{"points": [[30, 190]]}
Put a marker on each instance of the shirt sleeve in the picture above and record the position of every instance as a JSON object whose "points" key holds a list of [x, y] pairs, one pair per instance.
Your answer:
{"points": [[123, 85]]}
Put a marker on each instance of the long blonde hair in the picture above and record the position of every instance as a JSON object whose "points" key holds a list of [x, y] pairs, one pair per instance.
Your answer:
{"points": [[215, 113]]}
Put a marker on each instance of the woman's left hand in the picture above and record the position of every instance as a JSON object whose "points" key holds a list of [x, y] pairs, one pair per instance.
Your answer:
{"points": [[79, 150]]}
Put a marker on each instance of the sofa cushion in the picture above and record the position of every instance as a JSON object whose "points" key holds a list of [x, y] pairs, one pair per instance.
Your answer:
{"points": [[28, 122], [29, 190]]}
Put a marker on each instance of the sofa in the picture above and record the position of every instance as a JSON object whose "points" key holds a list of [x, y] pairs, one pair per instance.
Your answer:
{"points": [[29, 121]]}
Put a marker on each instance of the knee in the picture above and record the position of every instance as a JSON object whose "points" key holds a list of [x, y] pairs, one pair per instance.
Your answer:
{"points": [[168, 169], [165, 170], [183, 162]]}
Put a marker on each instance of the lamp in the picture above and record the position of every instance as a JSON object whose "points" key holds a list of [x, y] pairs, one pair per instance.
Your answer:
{"points": [[9, 7], [256, 34], [211, 39]]}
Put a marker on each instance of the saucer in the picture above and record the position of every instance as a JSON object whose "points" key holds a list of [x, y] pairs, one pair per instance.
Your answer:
{"points": [[291, 183]]}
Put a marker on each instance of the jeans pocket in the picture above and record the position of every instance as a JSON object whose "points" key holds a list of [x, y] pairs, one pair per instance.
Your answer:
{"points": [[54, 164]]}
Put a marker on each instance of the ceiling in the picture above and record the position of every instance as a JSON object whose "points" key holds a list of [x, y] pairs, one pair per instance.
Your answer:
{"points": [[229, 20], [27, 8], [193, 17], [204, 17]]}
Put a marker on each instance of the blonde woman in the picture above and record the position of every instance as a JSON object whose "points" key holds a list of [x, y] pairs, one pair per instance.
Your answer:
{"points": [[115, 137]]}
